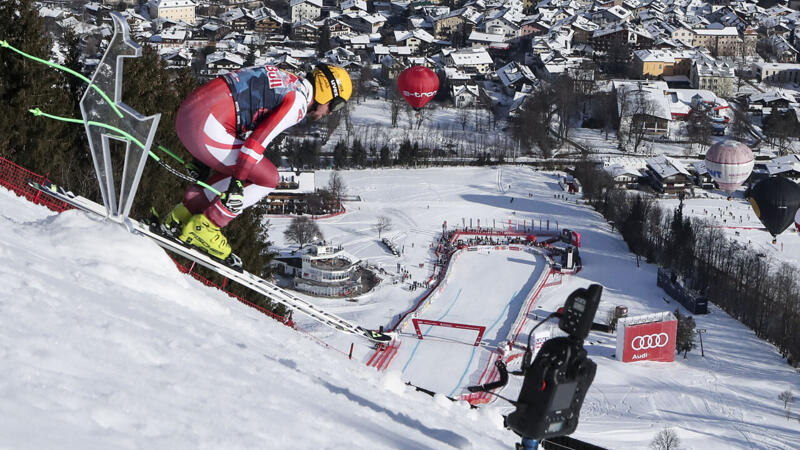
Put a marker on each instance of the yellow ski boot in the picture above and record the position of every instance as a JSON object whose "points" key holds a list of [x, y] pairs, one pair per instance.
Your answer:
{"points": [[201, 233], [175, 220]]}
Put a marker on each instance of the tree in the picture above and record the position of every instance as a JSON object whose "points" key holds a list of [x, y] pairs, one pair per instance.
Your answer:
{"points": [[324, 41], [787, 399], [532, 125], [386, 156], [666, 439], [358, 154], [740, 127], [35, 143], [303, 230], [336, 187], [340, 155], [699, 127], [383, 224], [684, 338]]}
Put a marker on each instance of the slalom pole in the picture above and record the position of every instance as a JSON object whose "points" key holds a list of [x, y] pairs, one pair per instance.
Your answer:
{"points": [[125, 135]]}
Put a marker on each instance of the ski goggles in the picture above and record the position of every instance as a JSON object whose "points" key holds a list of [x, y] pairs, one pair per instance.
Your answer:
{"points": [[338, 102]]}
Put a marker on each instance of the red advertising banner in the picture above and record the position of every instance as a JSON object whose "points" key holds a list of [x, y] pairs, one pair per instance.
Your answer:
{"points": [[654, 341]]}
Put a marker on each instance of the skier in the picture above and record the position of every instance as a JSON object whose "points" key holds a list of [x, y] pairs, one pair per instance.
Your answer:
{"points": [[226, 125]]}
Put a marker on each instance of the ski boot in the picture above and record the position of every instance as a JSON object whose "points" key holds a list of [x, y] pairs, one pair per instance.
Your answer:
{"points": [[173, 222], [199, 232]]}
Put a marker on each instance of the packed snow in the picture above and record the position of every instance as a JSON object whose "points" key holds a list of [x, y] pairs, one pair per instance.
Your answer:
{"points": [[104, 344]]}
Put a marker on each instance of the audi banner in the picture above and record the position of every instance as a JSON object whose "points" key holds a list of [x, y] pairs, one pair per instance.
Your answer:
{"points": [[647, 338]]}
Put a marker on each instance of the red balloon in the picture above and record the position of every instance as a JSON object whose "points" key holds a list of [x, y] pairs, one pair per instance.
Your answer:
{"points": [[418, 85]]}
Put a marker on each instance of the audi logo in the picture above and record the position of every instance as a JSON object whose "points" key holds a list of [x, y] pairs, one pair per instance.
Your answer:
{"points": [[649, 341], [419, 94]]}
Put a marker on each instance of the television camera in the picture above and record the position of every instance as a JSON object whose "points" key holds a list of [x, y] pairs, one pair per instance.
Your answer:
{"points": [[557, 380]]}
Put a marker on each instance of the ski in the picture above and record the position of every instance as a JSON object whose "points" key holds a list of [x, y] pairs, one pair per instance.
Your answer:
{"points": [[246, 279]]}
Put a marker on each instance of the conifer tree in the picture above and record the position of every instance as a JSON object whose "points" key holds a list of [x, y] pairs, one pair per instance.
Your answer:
{"points": [[35, 143]]}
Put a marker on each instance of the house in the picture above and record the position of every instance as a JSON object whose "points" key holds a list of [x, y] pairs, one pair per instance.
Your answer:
{"points": [[668, 175], [485, 40], [515, 77], [643, 105], [338, 28], [353, 6], [174, 9], [176, 58], [461, 21], [221, 62], [701, 177], [235, 19], [364, 23], [464, 93], [785, 166], [265, 20], [724, 41], [779, 72], [471, 60], [304, 10], [304, 30], [501, 26], [414, 39], [714, 76], [657, 63], [624, 176]]}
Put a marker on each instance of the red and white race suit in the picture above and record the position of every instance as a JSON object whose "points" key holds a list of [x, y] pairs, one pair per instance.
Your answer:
{"points": [[228, 123]]}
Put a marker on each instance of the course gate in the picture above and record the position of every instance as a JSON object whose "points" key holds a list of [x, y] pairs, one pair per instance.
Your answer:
{"points": [[478, 328]]}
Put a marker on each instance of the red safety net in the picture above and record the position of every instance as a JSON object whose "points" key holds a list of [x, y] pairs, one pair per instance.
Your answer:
{"points": [[15, 178]]}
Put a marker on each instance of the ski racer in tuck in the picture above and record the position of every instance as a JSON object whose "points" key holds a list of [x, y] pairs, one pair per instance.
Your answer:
{"points": [[227, 125]]}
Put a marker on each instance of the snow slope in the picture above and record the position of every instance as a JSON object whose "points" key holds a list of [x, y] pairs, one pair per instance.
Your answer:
{"points": [[103, 344]]}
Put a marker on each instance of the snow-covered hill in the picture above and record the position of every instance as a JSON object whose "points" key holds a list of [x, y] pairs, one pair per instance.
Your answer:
{"points": [[104, 344]]}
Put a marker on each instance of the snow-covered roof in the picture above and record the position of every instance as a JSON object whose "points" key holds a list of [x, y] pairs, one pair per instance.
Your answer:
{"points": [[513, 72], [471, 56], [783, 164], [221, 56], [643, 97], [317, 3], [666, 167], [173, 3]]}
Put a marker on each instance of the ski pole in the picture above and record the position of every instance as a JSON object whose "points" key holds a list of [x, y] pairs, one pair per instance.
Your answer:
{"points": [[39, 113], [5, 44]]}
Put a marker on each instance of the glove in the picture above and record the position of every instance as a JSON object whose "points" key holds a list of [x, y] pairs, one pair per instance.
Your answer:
{"points": [[233, 199]]}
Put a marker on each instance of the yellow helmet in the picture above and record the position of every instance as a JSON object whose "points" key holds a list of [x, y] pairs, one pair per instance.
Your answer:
{"points": [[332, 84]]}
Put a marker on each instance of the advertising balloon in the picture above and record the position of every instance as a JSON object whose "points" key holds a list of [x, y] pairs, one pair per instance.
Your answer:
{"points": [[729, 162], [775, 201], [418, 85]]}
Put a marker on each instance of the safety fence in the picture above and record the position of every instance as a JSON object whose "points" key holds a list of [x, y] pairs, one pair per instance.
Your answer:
{"points": [[15, 178]]}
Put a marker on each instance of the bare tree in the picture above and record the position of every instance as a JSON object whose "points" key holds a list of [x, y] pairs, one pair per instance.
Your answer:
{"points": [[666, 439], [787, 399], [302, 231], [336, 186], [384, 224]]}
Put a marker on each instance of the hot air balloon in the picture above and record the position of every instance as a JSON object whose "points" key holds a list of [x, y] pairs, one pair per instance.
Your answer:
{"points": [[775, 201], [729, 162], [418, 85], [797, 220]]}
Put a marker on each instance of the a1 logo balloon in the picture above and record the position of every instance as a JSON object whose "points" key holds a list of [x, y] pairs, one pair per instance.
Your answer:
{"points": [[418, 85]]}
